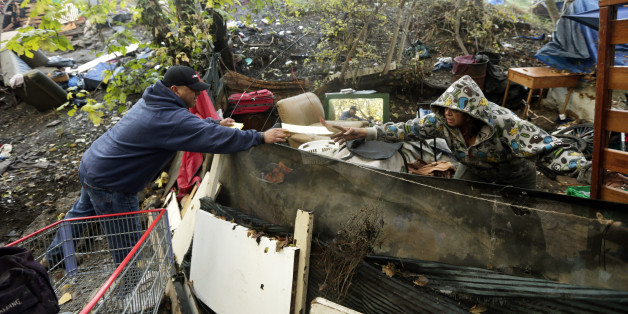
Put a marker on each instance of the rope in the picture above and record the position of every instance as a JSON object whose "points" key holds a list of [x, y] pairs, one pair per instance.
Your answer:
{"points": [[494, 201]]}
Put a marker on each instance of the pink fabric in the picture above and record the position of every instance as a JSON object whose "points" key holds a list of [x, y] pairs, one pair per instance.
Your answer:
{"points": [[191, 162]]}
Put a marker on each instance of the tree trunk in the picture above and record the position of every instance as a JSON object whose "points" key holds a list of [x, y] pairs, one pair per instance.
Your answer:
{"points": [[186, 11], [154, 17], [404, 33], [457, 28], [221, 41], [356, 42], [552, 10], [393, 43]]}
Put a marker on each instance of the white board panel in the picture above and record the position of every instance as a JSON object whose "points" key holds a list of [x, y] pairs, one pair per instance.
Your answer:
{"points": [[87, 66], [324, 306], [232, 273], [174, 213]]}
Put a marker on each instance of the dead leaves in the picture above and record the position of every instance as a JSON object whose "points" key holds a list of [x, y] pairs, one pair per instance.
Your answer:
{"points": [[65, 298], [421, 281], [389, 269], [254, 234], [281, 242], [478, 308]]}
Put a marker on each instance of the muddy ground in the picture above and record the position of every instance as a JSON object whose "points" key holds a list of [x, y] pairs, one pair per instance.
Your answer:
{"points": [[41, 183]]}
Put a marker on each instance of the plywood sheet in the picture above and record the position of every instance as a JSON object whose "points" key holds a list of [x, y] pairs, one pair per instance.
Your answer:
{"points": [[232, 273]]}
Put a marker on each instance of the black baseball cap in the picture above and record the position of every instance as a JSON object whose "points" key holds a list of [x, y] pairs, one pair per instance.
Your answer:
{"points": [[181, 75]]}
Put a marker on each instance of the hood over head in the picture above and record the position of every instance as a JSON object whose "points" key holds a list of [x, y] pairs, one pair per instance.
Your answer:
{"points": [[466, 96]]}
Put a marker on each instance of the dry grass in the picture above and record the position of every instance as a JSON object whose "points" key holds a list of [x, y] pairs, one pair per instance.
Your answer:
{"points": [[356, 239]]}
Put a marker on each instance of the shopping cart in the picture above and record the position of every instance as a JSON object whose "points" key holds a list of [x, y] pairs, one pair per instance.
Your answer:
{"points": [[87, 270]]}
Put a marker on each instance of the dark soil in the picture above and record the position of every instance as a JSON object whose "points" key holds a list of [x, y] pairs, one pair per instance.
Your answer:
{"points": [[41, 184]]}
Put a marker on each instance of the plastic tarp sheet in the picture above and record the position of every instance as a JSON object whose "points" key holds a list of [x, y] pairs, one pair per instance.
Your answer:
{"points": [[592, 18], [574, 44]]}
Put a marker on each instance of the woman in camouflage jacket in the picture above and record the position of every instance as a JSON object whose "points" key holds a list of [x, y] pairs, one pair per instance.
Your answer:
{"points": [[491, 143]]}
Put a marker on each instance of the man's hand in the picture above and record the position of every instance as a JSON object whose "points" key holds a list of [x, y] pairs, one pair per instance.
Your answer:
{"points": [[226, 122], [275, 136], [348, 134]]}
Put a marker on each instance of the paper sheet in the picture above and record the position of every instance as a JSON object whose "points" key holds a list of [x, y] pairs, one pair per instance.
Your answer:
{"points": [[318, 130], [237, 125]]}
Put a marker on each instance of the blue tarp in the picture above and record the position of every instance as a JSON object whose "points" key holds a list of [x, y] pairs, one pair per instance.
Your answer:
{"points": [[495, 1], [574, 45], [592, 18]]}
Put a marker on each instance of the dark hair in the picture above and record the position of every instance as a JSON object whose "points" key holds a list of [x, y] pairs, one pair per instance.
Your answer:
{"points": [[476, 124], [354, 108]]}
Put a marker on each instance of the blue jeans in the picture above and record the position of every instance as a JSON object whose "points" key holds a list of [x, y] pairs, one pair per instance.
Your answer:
{"points": [[123, 232]]}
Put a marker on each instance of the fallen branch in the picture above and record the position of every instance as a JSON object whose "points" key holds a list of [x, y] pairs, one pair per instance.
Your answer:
{"points": [[272, 38]]}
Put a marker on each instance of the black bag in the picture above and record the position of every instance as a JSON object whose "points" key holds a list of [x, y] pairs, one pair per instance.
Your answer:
{"points": [[377, 150], [24, 284]]}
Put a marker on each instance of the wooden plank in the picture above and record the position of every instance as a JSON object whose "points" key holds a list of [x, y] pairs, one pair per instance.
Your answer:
{"points": [[171, 293], [615, 160], [303, 229], [173, 171], [185, 301], [605, 3], [617, 77], [606, 53], [614, 195], [209, 187], [617, 120], [186, 201], [619, 34], [172, 208], [207, 163], [183, 235], [233, 273], [214, 172], [238, 83]]}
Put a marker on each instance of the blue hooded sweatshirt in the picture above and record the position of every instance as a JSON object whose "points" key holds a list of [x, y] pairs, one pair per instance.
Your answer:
{"points": [[129, 156]]}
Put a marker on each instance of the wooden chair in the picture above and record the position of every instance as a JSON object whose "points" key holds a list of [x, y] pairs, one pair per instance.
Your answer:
{"points": [[306, 109], [609, 77]]}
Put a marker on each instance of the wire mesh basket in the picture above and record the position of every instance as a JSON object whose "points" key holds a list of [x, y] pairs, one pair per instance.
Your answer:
{"points": [[117, 263]]}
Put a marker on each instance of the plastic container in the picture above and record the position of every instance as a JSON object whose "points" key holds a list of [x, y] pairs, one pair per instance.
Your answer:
{"points": [[463, 65], [579, 191], [322, 147]]}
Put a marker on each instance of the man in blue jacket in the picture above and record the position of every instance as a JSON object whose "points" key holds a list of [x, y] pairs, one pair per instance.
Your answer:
{"points": [[126, 158]]}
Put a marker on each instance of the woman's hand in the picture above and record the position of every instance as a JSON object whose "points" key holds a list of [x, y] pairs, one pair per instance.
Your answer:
{"points": [[348, 134]]}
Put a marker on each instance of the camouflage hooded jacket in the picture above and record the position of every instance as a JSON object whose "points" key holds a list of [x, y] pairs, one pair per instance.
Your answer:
{"points": [[505, 145]]}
